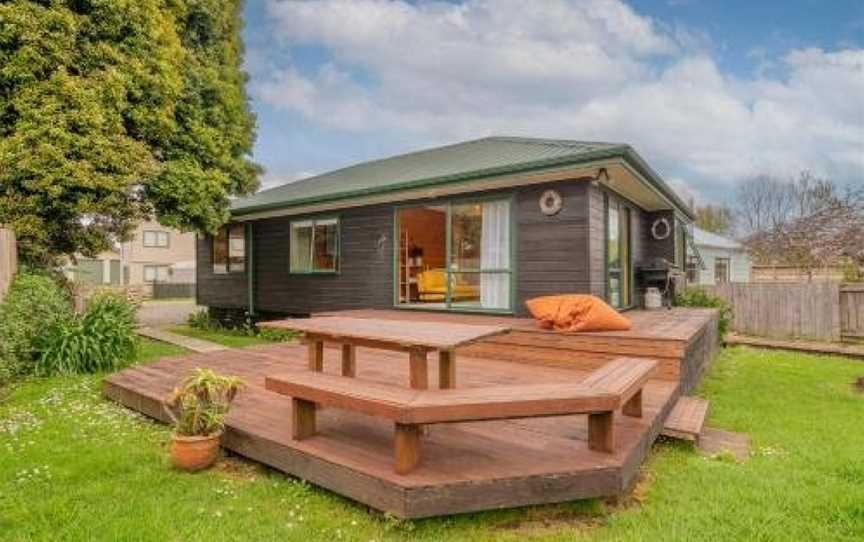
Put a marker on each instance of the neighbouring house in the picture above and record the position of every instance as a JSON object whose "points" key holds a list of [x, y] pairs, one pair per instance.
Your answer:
{"points": [[153, 255], [795, 273], [826, 245], [722, 260], [478, 226]]}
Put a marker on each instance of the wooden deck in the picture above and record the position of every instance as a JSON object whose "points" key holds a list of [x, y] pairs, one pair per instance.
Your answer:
{"points": [[465, 466]]}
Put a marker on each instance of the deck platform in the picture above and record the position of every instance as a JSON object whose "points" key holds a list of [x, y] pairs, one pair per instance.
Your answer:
{"points": [[466, 466]]}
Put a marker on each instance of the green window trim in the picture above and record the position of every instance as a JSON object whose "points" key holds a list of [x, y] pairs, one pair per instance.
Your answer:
{"points": [[449, 304], [313, 224], [625, 212]]}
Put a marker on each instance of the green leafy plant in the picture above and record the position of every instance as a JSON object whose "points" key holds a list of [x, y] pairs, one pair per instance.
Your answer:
{"points": [[202, 320], [199, 406], [102, 339], [277, 335], [34, 304], [697, 296]]}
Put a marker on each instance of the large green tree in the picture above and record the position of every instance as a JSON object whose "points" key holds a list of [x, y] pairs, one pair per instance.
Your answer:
{"points": [[112, 110]]}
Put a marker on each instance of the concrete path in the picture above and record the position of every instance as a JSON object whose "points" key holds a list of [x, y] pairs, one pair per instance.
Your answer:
{"points": [[156, 313], [190, 343]]}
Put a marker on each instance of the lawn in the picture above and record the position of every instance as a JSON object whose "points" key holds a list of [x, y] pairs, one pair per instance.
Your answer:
{"points": [[231, 339], [73, 467]]}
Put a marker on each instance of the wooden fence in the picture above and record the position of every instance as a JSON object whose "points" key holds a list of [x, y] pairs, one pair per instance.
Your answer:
{"points": [[806, 310], [8, 260], [170, 290], [852, 312]]}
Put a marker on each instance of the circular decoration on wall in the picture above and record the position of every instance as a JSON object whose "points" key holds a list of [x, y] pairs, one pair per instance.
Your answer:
{"points": [[550, 202], [661, 229]]}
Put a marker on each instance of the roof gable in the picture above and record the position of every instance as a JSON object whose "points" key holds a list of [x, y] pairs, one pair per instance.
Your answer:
{"points": [[708, 239]]}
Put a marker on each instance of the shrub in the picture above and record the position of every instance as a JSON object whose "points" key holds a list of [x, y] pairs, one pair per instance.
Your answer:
{"points": [[199, 406], [277, 335], [34, 303], [697, 296], [202, 320], [102, 339]]}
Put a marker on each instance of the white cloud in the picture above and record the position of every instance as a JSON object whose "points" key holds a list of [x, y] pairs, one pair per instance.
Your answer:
{"points": [[439, 72]]}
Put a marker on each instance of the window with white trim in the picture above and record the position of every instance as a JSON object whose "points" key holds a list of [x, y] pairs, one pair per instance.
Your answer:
{"points": [[156, 239], [157, 273]]}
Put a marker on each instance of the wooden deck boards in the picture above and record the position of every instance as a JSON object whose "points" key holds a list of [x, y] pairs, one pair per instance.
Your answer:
{"points": [[465, 466], [687, 418]]}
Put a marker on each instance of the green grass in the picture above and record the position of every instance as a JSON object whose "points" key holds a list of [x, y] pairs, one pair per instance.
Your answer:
{"points": [[103, 473], [231, 339]]}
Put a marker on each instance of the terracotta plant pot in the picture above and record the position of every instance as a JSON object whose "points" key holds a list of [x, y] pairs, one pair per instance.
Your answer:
{"points": [[194, 453]]}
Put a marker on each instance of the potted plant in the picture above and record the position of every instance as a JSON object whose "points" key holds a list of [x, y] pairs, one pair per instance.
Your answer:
{"points": [[198, 409]]}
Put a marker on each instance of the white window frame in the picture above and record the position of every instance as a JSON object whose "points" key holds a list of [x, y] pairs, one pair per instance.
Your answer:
{"points": [[156, 270], [158, 239]]}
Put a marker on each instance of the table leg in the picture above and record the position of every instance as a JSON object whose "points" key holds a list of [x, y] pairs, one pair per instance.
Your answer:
{"points": [[349, 360], [316, 354], [419, 371], [446, 369]]}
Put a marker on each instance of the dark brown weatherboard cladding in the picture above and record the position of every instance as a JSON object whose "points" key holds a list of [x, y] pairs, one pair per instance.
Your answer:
{"points": [[552, 255], [364, 279], [226, 290]]}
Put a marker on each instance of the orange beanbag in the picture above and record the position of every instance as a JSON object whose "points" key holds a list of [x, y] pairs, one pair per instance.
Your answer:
{"points": [[576, 312]]}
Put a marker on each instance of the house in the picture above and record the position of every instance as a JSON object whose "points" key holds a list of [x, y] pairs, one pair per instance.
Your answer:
{"points": [[153, 254], [722, 260], [478, 226]]}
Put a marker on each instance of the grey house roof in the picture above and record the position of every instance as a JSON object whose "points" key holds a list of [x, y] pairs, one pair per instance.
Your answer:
{"points": [[704, 238], [458, 162]]}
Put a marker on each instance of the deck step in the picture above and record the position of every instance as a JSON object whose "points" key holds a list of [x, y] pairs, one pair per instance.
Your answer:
{"points": [[687, 418]]}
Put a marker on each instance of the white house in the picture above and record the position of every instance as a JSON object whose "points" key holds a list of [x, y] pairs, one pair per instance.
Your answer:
{"points": [[723, 260]]}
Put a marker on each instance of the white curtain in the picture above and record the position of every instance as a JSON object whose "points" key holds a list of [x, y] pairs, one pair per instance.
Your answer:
{"points": [[495, 254]]}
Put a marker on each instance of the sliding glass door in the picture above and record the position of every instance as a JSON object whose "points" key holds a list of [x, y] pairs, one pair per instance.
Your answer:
{"points": [[469, 267], [619, 265]]}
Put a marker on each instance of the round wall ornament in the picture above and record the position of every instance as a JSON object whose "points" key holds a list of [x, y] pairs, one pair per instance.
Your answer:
{"points": [[550, 202], [661, 229]]}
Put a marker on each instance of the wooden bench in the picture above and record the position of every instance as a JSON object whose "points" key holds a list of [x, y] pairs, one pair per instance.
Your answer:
{"points": [[616, 385]]}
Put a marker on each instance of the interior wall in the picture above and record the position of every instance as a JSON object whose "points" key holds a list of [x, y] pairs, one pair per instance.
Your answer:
{"points": [[426, 229]]}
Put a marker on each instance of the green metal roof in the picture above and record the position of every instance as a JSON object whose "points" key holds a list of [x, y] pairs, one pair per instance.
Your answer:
{"points": [[458, 162]]}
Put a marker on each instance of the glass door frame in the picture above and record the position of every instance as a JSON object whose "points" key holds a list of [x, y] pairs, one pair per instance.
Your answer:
{"points": [[628, 275], [448, 255]]}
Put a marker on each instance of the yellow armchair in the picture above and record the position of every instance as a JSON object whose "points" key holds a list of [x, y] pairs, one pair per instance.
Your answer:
{"points": [[432, 286]]}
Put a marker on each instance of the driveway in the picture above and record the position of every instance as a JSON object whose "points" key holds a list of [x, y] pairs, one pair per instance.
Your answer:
{"points": [[158, 313]]}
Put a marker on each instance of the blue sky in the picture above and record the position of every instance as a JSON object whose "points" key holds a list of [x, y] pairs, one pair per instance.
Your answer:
{"points": [[708, 92]]}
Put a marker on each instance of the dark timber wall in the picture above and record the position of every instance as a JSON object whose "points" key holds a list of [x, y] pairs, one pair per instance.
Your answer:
{"points": [[563, 253], [227, 290], [365, 277], [659, 248]]}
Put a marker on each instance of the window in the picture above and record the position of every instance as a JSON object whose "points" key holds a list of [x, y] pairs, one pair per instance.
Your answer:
{"points": [[618, 253], [680, 244], [455, 255], [314, 246], [229, 249], [721, 270], [156, 273], [692, 270], [156, 239]]}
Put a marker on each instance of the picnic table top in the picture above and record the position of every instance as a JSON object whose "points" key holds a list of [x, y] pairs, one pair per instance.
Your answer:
{"points": [[404, 334]]}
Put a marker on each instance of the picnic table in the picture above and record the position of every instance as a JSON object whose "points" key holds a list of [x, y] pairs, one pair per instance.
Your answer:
{"points": [[417, 339]]}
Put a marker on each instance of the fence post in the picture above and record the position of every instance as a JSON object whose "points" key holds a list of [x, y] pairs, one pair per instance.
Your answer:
{"points": [[8, 259]]}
